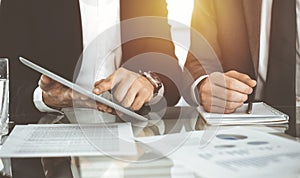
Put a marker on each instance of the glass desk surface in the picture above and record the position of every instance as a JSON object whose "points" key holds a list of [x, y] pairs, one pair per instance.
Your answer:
{"points": [[147, 163]]}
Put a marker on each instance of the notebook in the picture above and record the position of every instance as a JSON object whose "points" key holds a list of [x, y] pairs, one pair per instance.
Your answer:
{"points": [[133, 116], [261, 114]]}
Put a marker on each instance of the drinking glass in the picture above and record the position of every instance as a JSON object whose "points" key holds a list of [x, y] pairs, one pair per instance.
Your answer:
{"points": [[4, 96]]}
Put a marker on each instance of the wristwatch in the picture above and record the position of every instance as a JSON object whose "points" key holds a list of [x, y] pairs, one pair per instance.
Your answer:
{"points": [[154, 80]]}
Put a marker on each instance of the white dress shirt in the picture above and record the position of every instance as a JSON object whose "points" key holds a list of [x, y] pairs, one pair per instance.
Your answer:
{"points": [[101, 42], [265, 27]]}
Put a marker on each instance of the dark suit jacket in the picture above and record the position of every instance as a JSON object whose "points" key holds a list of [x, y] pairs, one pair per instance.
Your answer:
{"points": [[232, 29], [50, 34]]}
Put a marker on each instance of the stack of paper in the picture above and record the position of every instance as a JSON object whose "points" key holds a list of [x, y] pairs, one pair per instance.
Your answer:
{"points": [[94, 167], [261, 114], [69, 140]]}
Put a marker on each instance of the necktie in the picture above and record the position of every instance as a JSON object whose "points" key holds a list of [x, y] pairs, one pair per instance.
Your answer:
{"points": [[280, 84]]}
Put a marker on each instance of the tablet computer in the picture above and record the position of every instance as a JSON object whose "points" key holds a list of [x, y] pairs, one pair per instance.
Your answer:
{"points": [[82, 90]]}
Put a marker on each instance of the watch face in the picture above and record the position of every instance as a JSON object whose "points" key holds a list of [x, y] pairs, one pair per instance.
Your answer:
{"points": [[154, 80], [155, 76]]}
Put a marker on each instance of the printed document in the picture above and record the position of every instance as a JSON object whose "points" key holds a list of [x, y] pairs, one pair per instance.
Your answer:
{"points": [[69, 140], [234, 152]]}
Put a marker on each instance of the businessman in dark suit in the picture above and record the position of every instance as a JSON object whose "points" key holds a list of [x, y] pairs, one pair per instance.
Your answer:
{"points": [[50, 33], [253, 39]]}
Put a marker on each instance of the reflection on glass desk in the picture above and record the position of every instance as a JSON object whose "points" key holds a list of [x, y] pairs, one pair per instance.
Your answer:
{"points": [[147, 163]]}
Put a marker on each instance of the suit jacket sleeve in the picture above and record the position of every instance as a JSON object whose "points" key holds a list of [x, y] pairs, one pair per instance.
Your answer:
{"points": [[147, 43]]}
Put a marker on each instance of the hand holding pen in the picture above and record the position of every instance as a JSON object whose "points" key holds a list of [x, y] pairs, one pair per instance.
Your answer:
{"points": [[225, 92]]}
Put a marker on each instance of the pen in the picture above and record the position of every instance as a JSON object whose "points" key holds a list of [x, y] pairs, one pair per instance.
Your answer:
{"points": [[249, 109], [251, 100]]}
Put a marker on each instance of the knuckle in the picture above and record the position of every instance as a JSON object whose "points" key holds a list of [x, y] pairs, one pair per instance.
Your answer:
{"points": [[207, 90], [121, 69], [138, 83], [214, 75], [233, 72], [126, 104], [230, 105], [207, 108], [118, 98], [107, 83], [204, 102], [247, 90], [148, 99], [145, 90], [206, 86], [230, 95], [137, 105], [203, 97], [245, 98], [240, 104], [227, 111], [229, 83], [131, 93], [98, 82]]}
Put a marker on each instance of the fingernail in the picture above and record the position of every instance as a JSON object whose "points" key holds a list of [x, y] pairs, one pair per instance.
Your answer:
{"points": [[96, 90], [250, 90]]}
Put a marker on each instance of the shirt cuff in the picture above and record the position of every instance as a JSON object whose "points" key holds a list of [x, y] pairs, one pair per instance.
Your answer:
{"points": [[194, 91], [39, 103]]}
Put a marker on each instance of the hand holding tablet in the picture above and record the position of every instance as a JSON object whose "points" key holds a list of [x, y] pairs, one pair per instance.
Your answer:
{"points": [[83, 91]]}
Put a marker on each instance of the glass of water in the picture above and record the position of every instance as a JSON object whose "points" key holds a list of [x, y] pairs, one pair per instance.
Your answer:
{"points": [[4, 97]]}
